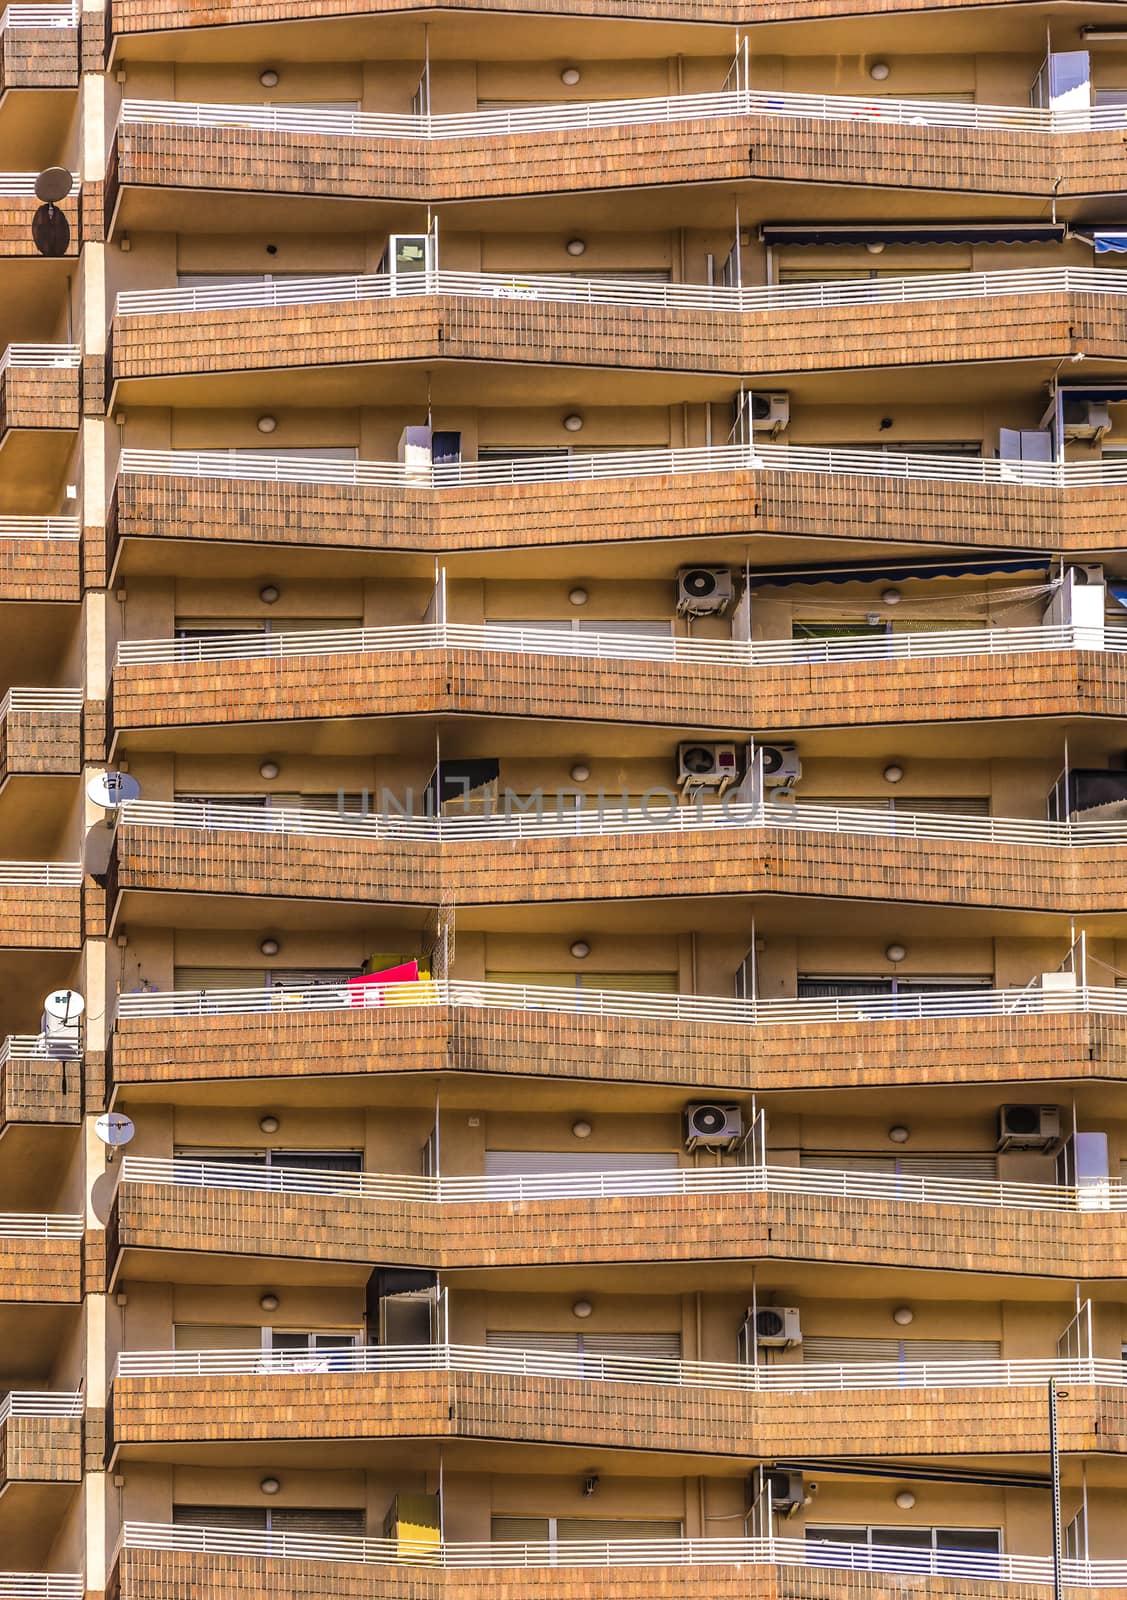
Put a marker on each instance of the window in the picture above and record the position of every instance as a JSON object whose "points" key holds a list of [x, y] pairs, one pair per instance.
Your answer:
{"points": [[659, 627], [647, 982], [823, 1348], [933, 1164], [260, 977], [909, 805], [293, 1160], [570, 1530], [985, 1541], [813, 986], [271, 1519], [630, 1346]]}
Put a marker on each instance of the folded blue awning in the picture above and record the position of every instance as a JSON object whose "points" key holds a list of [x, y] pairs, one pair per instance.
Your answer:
{"points": [[773, 577], [1106, 242], [913, 233]]}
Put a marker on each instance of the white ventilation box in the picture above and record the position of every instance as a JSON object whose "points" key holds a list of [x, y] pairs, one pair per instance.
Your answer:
{"points": [[777, 1327], [704, 591], [1028, 1127], [713, 1125], [707, 766]]}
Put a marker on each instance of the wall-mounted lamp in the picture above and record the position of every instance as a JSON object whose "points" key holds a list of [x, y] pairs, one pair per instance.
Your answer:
{"points": [[899, 1134], [578, 597], [895, 952], [266, 424], [268, 1124], [903, 1316], [893, 772], [576, 247], [581, 1129], [269, 594], [269, 769], [580, 949], [268, 78], [580, 772], [582, 1309], [879, 71], [570, 76], [905, 1499], [270, 1485], [892, 597], [269, 947], [269, 1302]]}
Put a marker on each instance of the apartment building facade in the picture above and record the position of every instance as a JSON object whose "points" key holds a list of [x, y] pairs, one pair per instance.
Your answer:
{"points": [[565, 799]]}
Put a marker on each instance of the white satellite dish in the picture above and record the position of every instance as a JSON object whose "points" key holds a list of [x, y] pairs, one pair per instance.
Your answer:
{"points": [[62, 1009], [114, 1129], [112, 789]]}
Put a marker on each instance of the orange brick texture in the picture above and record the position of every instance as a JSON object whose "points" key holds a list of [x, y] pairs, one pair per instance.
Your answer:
{"points": [[40, 569], [38, 58], [603, 868], [39, 397], [41, 1271], [688, 506], [515, 1408], [626, 1229], [16, 215], [158, 1574], [891, 1052], [772, 344], [40, 742], [40, 1450], [33, 1091], [508, 683], [35, 916]]}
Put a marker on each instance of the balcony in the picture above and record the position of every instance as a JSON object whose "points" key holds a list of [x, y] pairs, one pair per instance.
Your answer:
{"points": [[773, 332], [763, 1213], [41, 1585], [40, 1080], [467, 1392], [1026, 1036], [670, 681], [154, 1560], [39, 387], [697, 139], [18, 202], [40, 905], [40, 559], [666, 850], [40, 1258], [40, 1439], [40, 732], [38, 47], [643, 495]]}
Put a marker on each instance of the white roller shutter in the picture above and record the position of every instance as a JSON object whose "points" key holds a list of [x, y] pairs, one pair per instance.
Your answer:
{"points": [[841, 1352], [630, 1346], [513, 1163], [971, 1168]]}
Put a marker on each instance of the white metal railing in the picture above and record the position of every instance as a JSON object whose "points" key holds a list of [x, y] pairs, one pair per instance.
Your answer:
{"points": [[62, 1046], [612, 646], [622, 113], [708, 1009], [789, 1378], [33, 1225], [20, 16], [54, 874], [40, 1403], [623, 1554], [41, 355], [906, 1188], [623, 292], [40, 528], [42, 1585], [44, 702], [17, 185], [249, 468], [665, 815]]}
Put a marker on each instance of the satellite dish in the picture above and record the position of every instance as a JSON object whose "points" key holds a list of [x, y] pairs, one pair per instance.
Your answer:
{"points": [[50, 231], [112, 789], [54, 183], [114, 1129], [62, 1009]]}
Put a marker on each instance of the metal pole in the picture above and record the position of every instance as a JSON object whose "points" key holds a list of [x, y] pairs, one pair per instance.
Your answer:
{"points": [[1054, 1473]]}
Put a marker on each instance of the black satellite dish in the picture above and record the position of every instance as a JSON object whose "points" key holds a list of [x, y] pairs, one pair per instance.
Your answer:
{"points": [[50, 231]]}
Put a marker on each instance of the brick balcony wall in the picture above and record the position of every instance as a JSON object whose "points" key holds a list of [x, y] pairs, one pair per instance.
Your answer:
{"points": [[157, 1574], [611, 867], [39, 397], [41, 1271], [40, 742], [890, 1052], [622, 1230], [35, 916], [40, 569], [693, 694], [16, 214], [38, 58], [689, 506], [40, 1450], [517, 1408], [780, 342], [33, 1092]]}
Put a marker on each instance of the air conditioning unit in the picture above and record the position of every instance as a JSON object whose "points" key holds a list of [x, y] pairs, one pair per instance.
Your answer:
{"points": [[707, 766], [1083, 419], [710, 1125], [704, 591], [788, 1491], [770, 413], [777, 1327], [781, 765], [1028, 1127]]}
